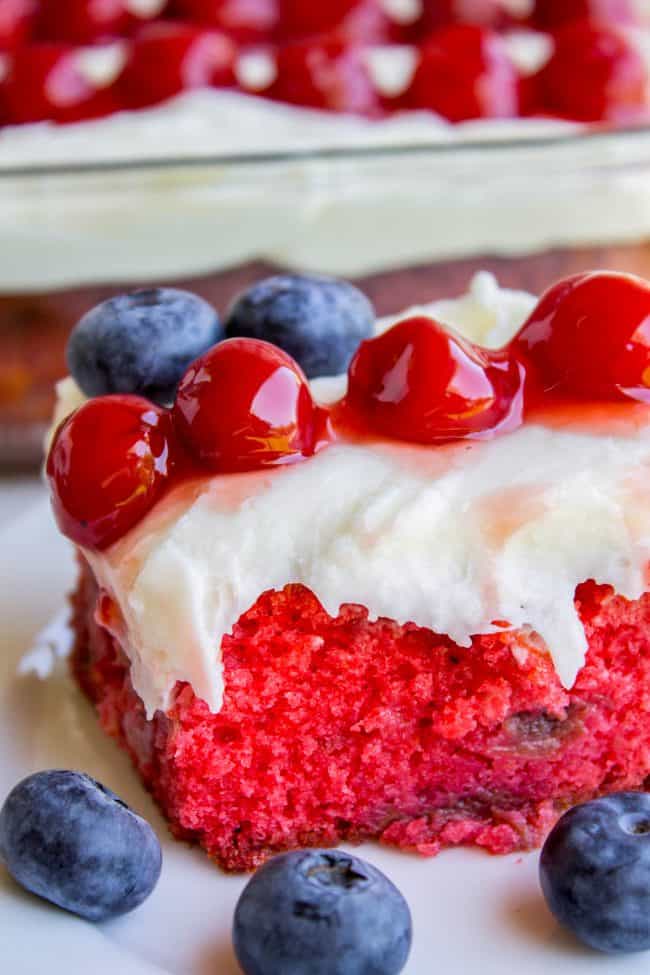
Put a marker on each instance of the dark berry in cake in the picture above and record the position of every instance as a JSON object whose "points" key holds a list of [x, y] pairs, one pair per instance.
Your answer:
{"points": [[73, 842], [319, 321], [321, 912], [141, 342], [595, 872]]}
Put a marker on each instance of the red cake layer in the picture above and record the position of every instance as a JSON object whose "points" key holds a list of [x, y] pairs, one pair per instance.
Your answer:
{"points": [[347, 729]]}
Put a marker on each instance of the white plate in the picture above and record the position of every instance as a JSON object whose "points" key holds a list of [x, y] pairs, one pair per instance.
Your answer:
{"points": [[472, 914]]}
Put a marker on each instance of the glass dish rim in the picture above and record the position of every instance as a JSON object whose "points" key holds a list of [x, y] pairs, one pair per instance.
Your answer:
{"points": [[593, 136]]}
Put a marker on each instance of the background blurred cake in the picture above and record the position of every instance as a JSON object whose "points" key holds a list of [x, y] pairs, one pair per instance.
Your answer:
{"points": [[405, 144]]}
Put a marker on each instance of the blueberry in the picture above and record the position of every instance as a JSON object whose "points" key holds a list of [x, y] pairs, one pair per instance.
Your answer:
{"points": [[141, 342], [321, 912], [68, 839], [595, 872], [319, 321]]}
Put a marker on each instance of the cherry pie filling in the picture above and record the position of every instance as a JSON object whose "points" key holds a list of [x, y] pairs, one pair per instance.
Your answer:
{"points": [[320, 54], [245, 405]]}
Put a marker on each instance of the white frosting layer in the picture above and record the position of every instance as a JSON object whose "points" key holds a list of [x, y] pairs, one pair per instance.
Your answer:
{"points": [[449, 198], [451, 538]]}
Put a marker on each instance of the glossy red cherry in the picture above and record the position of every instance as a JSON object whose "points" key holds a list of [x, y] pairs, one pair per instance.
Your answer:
{"points": [[108, 464], [327, 74], [246, 404], [167, 58], [16, 23], [465, 72], [551, 14], [420, 383], [248, 21], [589, 338], [595, 73], [358, 20], [45, 81]]}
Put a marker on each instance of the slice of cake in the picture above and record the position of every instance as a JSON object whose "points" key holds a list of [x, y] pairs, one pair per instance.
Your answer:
{"points": [[410, 607]]}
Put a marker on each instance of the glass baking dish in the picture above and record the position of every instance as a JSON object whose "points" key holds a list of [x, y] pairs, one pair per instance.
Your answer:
{"points": [[409, 223]]}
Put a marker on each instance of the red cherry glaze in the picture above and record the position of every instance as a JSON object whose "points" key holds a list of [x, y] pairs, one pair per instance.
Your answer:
{"points": [[245, 404], [247, 21], [45, 81], [421, 383], [167, 58], [551, 14], [588, 338], [327, 74], [108, 464], [16, 23], [440, 13], [464, 73], [358, 20], [82, 21], [595, 74], [300, 19]]}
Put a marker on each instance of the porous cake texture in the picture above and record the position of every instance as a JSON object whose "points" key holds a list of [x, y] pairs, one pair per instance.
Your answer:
{"points": [[348, 729]]}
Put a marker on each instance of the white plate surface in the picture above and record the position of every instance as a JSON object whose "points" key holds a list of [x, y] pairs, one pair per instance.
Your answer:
{"points": [[472, 914]]}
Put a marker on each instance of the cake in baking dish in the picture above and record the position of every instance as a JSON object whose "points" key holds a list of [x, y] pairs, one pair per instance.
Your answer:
{"points": [[408, 605], [126, 81]]}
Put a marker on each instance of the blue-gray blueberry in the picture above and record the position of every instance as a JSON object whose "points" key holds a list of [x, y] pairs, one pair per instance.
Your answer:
{"points": [[595, 872], [321, 912], [319, 321], [73, 842], [141, 343]]}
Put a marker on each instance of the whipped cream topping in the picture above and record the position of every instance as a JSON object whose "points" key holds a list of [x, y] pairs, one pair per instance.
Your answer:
{"points": [[452, 538]]}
